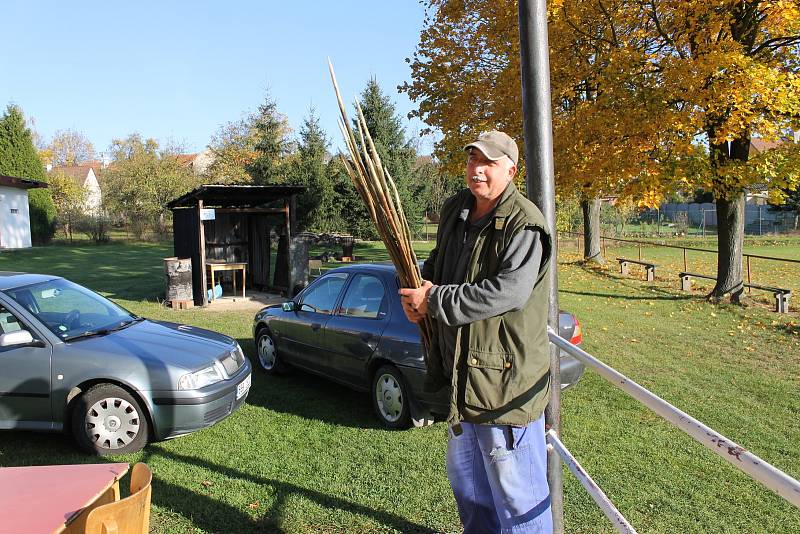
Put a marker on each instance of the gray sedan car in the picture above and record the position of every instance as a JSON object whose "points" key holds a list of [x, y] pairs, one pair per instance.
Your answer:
{"points": [[73, 360], [349, 326]]}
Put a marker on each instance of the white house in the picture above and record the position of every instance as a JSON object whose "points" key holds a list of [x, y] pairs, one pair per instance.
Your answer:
{"points": [[15, 219], [85, 176]]}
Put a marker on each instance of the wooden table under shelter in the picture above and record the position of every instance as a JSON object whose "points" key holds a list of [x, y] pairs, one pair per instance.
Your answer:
{"points": [[217, 266]]}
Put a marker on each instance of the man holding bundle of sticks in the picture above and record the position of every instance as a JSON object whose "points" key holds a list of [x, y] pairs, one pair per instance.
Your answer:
{"points": [[486, 288]]}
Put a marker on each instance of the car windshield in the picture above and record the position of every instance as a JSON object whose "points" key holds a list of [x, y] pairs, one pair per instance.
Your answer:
{"points": [[71, 311]]}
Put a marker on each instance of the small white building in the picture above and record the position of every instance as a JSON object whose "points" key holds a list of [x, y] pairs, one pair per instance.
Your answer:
{"points": [[86, 177], [15, 219]]}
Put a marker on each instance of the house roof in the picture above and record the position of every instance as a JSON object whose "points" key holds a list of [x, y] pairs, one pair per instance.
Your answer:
{"points": [[21, 183], [761, 145], [235, 195], [186, 159], [76, 172]]}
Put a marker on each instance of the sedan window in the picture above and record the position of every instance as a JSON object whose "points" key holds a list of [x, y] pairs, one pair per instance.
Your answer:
{"points": [[322, 295], [69, 310], [366, 297], [8, 322]]}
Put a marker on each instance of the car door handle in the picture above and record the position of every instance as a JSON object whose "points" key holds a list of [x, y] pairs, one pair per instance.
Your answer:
{"points": [[365, 336], [316, 326]]}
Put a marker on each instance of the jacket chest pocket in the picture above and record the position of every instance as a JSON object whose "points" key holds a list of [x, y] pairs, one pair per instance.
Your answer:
{"points": [[490, 379]]}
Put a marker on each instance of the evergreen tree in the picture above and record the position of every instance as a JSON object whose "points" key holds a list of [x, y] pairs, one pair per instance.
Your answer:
{"points": [[315, 207], [351, 213], [19, 158], [396, 152], [270, 130]]}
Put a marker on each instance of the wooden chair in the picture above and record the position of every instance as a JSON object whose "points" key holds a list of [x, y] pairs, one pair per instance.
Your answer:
{"points": [[130, 515]]}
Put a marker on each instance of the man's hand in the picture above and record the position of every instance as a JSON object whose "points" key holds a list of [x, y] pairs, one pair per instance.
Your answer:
{"points": [[415, 301]]}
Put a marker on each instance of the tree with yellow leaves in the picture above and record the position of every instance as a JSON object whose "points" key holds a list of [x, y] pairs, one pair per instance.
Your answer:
{"points": [[730, 70], [635, 83], [466, 78]]}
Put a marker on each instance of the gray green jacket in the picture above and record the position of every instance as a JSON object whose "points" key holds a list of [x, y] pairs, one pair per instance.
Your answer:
{"points": [[497, 364]]}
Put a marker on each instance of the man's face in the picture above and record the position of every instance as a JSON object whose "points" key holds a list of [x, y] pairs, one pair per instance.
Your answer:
{"points": [[487, 179]]}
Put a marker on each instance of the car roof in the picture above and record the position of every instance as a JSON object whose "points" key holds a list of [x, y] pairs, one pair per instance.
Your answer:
{"points": [[366, 267], [11, 279]]}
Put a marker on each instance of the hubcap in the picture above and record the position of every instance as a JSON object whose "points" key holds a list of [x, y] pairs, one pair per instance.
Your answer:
{"points": [[266, 352], [112, 423], [389, 395]]}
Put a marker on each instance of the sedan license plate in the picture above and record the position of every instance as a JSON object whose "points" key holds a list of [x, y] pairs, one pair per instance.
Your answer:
{"points": [[243, 386]]}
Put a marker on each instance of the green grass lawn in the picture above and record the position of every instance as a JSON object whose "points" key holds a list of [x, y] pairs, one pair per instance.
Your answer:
{"points": [[304, 455]]}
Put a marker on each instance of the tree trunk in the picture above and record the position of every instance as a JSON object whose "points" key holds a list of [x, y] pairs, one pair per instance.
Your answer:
{"points": [[730, 242], [591, 231], [730, 220]]}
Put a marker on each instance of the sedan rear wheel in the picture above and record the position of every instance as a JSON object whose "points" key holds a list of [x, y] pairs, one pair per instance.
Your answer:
{"points": [[108, 420], [390, 398], [268, 357]]}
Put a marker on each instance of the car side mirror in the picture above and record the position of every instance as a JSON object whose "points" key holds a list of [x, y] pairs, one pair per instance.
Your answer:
{"points": [[20, 337], [288, 306]]}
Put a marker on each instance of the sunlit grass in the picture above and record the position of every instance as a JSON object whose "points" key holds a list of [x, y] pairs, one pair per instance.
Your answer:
{"points": [[305, 455]]}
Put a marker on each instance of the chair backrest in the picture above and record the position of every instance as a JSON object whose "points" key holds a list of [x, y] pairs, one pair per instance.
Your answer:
{"points": [[130, 515], [141, 477]]}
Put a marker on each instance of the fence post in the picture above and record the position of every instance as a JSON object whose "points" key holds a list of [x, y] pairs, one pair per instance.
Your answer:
{"points": [[749, 289], [685, 267]]}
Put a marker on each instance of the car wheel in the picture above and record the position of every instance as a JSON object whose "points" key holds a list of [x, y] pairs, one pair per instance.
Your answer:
{"points": [[390, 398], [108, 420], [268, 358]]}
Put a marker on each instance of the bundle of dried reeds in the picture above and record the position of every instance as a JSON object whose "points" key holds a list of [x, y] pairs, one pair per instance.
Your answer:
{"points": [[376, 187]]}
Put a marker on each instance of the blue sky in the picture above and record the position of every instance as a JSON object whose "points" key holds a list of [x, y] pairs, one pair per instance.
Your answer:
{"points": [[178, 70]]}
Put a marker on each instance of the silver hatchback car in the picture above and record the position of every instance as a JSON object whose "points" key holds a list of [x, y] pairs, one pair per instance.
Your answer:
{"points": [[73, 360]]}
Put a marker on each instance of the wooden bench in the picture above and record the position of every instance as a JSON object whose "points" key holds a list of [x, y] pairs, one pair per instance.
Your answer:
{"points": [[649, 267], [782, 295]]}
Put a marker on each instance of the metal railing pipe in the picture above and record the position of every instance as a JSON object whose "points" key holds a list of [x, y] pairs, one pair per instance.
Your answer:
{"points": [[758, 469], [595, 492]]}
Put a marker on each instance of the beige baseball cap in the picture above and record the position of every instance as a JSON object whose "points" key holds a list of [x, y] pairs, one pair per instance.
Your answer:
{"points": [[495, 145]]}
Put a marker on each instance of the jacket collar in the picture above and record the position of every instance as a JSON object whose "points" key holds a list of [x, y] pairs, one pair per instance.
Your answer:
{"points": [[503, 208]]}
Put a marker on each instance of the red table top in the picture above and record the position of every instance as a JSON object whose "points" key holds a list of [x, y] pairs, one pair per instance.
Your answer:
{"points": [[42, 498]]}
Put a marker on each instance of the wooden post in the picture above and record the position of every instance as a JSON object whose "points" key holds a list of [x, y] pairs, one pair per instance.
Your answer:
{"points": [[202, 236], [289, 280], [749, 289]]}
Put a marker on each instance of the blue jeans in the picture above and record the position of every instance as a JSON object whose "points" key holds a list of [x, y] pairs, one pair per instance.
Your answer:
{"points": [[499, 478]]}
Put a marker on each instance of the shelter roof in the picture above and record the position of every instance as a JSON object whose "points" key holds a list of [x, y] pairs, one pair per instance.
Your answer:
{"points": [[21, 183], [235, 196]]}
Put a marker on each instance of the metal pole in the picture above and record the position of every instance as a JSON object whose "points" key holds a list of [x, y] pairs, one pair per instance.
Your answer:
{"points": [[540, 183]]}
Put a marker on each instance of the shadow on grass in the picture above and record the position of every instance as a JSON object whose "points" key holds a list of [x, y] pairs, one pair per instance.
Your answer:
{"points": [[211, 515], [303, 394], [665, 296]]}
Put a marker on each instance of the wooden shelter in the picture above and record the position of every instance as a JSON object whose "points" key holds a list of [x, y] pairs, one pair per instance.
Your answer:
{"points": [[248, 224]]}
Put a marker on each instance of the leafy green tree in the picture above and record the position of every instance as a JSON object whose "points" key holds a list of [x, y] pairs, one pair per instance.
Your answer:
{"points": [[233, 146], [19, 158], [315, 207], [70, 147], [395, 151], [270, 131], [69, 198], [141, 179]]}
